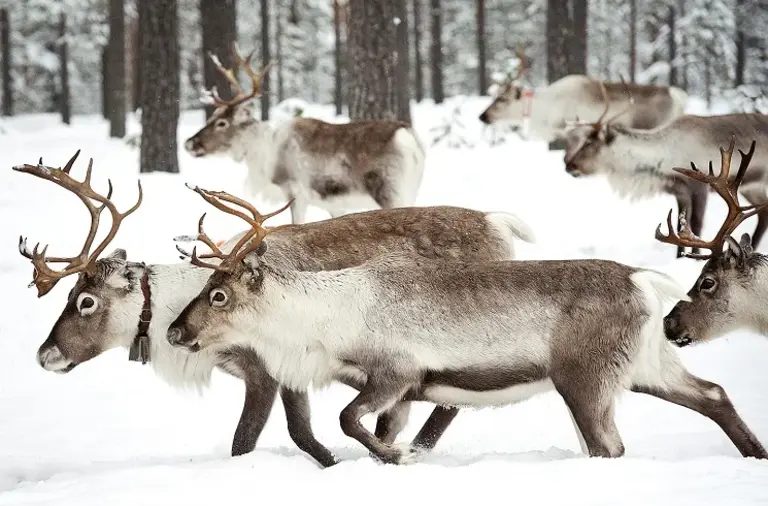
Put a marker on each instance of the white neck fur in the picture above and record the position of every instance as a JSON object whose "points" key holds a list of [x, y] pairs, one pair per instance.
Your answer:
{"points": [[172, 287]]}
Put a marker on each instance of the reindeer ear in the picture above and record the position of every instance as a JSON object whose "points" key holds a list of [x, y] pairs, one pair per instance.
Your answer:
{"points": [[746, 243], [735, 254], [118, 254], [262, 249], [610, 135]]}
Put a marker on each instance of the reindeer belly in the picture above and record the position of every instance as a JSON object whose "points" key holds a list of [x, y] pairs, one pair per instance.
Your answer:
{"points": [[485, 388]]}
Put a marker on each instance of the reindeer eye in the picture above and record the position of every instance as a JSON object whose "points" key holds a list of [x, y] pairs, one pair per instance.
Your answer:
{"points": [[86, 304], [222, 123], [707, 284], [217, 297]]}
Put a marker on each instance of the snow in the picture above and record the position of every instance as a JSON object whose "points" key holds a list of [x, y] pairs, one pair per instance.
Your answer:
{"points": [[112, 433]]}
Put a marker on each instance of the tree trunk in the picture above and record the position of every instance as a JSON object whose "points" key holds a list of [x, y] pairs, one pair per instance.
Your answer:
{"points": [[632, 40], [105, 81], [279, 51], [64, 102], [5, 42], [159, 59], [672, 45], [558, 38], [372, 54], [481, 70], [577, 62], [136, 55], [116, 64], [417, 50], [265, 56], [741, 44], [402, 78], [338, 98], [566, 42], [218, 21], [436, 51]]}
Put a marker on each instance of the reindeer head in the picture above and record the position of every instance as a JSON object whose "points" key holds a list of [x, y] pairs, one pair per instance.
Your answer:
{"points": [[231, 117], [508, 103], [236, 278], [585, 142], [724, 297], [99, 314]]}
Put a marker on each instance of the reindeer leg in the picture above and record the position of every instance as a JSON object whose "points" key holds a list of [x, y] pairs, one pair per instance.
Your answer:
{"points": [[684, 197], [391, 422], [297, 414], [709, 399], [699, 196], [380, 392], [260, 395], [435, 427], [298, 211], [590, 403], [757, 196]]}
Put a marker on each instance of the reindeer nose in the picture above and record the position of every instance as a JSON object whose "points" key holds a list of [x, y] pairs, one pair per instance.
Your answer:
{"points": [[192, 144], [179, 337], [175, 336], [484, 117]]}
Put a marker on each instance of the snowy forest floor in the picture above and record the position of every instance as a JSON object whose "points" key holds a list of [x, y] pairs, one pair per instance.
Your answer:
{"points": [[112, 433]]}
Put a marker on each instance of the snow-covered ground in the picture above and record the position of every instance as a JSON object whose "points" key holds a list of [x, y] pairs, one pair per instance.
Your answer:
{"points": [[112, 433]]}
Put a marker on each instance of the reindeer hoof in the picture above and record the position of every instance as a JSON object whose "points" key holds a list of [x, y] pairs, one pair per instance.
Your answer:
{"points": [[400, 454], [410, 454]]}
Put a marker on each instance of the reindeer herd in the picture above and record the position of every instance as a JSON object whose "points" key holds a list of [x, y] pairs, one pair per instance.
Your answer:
{"points": [[407, 303]]}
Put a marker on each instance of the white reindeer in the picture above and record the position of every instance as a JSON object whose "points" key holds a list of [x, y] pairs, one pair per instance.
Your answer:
{"points": [[640, 163], [360, 164], [119, 303], [456, 334], [548, 109]]}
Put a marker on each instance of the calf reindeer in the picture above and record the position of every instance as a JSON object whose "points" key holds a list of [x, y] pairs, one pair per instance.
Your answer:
{"points": [[638, 163], [456, 334], [732, 288], [119, 303], [550, 108], [363, 164]]}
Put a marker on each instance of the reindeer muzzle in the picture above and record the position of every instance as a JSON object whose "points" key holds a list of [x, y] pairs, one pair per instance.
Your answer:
{"points": [[179, 337]]}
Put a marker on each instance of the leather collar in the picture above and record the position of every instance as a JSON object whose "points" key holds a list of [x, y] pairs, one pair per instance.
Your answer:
{"points": [[140, 346]]}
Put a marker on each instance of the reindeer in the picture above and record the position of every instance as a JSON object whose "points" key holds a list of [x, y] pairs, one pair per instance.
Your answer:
{"points": [[367, 163], [119, 303], [456, 334], [732, 288], [638, 163], [550, 108]]}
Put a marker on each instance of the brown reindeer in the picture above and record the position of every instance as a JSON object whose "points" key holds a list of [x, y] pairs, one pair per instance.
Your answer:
{"points": [[732, 288], [370, 164], [119, 303]]}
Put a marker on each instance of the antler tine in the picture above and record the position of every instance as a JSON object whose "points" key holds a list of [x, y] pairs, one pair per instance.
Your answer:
{"points": [[213, 197], [255, 76], [604, 94], [728, 191], [247, 243], [117, 219], [684, 237], [229, 74], [45, 277], [629, 106]]}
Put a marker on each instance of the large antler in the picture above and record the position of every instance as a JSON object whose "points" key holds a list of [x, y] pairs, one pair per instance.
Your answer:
{"points": [[728, 190], [522, 67], [46, 278], [249, 242], [231, 75]]}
